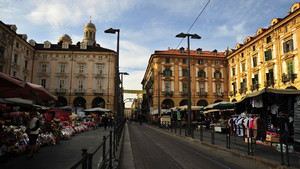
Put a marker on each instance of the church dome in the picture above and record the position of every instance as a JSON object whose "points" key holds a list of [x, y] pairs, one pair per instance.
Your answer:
{"points": [[65, 36], [90, 24]]}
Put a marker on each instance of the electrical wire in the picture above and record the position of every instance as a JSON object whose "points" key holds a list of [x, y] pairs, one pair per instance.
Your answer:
{"points": [[193, 23]]}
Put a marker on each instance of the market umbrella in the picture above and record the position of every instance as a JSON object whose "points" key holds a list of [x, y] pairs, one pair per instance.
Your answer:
{"points": [[9, 83], [220, 105], [97, 109], [29, 91]]}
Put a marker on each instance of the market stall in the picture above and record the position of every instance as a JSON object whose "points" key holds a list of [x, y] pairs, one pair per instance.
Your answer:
{"points": [[270, 114]]}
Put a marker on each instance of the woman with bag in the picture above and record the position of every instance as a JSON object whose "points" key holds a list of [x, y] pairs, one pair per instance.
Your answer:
{"points": [[34, 125]]}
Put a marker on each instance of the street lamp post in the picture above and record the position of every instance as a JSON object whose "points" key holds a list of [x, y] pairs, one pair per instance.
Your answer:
{"points": [[158, 96], [193, 36], [117, 79], [122, 111]]}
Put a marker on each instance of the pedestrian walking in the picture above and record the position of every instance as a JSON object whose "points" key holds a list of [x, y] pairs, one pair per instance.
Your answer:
{"points": [[33, 131], [104, 122]]}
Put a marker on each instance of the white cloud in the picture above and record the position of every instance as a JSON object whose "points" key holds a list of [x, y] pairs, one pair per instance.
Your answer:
{"points": [[236, 31]]}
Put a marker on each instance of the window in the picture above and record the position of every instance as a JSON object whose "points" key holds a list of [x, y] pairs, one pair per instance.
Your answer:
{"points": [[270, 77], [26, 65], [25, 78], [16, 59], [218, 89], [44, 57], [288, 46], [268, 39], [290, 69], [201, 73], [254, 59], [27, 52], [98, 84], [61, 84], [14, 74], [217, 63], [184, 61], [243, 67], [80, 84], [168, 87], [286, 29], [17, 45], [232, 60], [81, 68], [86, 34], [1, 51], [234, 88], [202, 89], [233, 71], [218, 74], [167, 60], [242, 55], [255, 82], [1, 68], [167, 72], [91, 35], [99, 57], [185, 88], [44, 68], [62, 68], [268, 55], [43, 83], [200, 62], [64, 57], [253, 48], [100, 69], [185, 72], [243, 86]]}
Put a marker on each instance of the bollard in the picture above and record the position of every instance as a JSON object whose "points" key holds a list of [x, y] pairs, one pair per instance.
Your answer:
{"points": [[248, 145], [251, 139], [84, 163], [171, 126], [212, 134], [180, 128], [90, 161], [226, 135], [110, 150], [104, 149], [114, 142], [201, 132], [287, 149], [229, 132], [175, 126]]}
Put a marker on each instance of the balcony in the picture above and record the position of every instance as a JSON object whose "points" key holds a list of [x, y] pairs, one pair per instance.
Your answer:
{"points": [[98, 91], [243, 90], [202, 94], [61, 90], [218, 95], [79, 91], [269, 83], [285, 78], [254, 87], [183, 93], [170, 93]]}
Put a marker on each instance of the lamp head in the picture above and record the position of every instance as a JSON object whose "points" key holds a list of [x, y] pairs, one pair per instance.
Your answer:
{"points": [[111, 30]]}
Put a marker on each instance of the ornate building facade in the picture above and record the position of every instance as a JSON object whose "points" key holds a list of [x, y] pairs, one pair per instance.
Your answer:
{"points": [[270, 58], [166, 79], [81, 74]]}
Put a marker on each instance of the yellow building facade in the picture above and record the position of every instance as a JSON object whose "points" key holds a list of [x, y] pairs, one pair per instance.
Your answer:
{"points": [[270, 58], [166, 79], [80, 75]]}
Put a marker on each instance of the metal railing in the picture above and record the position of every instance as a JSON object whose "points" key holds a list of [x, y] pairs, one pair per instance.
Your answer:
{"points": [[109, 147], [227, 138]]}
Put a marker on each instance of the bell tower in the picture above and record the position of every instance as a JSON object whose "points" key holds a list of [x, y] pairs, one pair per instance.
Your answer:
{"points": [[89, 34]]}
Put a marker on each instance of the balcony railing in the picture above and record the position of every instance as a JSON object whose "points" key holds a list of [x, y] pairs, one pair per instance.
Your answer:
{"points": [[79, 91], [202, 94], [184, 93], [168, 93], [269, 83], [285, 78], [254, 87], [218, 94], [98, 91], [61, 90], [243, 90]]}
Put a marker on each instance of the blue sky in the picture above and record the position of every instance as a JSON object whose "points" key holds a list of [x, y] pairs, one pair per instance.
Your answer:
{"points": [[146, 25]]}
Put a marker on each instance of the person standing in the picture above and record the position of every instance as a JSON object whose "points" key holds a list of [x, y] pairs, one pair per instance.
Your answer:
{"points": [[33, 126]]}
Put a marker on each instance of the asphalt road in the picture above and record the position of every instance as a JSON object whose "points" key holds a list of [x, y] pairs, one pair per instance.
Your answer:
{"points": [[154, 149]]}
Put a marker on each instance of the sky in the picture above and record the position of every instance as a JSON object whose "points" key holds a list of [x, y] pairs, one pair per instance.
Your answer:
{"points": [[145, 25]]}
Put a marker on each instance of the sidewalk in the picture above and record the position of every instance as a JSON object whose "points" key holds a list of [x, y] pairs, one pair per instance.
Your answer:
{"points": [[60, 156]]}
